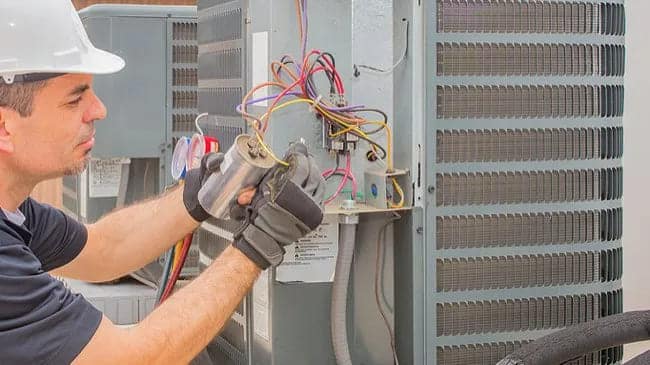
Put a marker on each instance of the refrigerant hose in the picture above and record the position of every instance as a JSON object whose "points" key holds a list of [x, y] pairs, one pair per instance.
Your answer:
{"points": [[582, 339]]}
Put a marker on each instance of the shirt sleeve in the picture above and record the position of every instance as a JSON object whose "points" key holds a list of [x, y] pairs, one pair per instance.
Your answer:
{"points": [[56, 238], [41, 321]]}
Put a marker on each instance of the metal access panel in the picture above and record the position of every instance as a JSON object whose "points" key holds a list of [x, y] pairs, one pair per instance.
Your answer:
{"points": [[284, 323], [147, 102], [522, 105]]}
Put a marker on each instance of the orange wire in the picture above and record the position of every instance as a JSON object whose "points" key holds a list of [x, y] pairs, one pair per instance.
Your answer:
{"points": [[299, 12], [249, 117]]}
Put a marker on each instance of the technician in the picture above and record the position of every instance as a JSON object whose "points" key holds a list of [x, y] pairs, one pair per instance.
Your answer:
{"points": [[48, 112]]}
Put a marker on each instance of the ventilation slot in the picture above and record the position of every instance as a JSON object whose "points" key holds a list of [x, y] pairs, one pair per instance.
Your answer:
{"points": [[529, 101], [184, 77], [226, 64], [611, 265], [508, 230], [224, 26], [518, 59], [500, 16], [220, 101], [183, 122], [184, 32], [184, 100], [491, 145], [185, 54], [492, 353], [611, 184], [612, 60], [612, 19], [530, 314], [528, 187], [518, 271], [491, 59]]}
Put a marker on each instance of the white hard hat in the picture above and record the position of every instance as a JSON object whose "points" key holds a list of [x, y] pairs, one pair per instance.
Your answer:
{"points": [[45, 37]]}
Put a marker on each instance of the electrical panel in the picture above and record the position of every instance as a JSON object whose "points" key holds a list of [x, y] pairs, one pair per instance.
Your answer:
{"points": [[150, 103], [522, 140]]}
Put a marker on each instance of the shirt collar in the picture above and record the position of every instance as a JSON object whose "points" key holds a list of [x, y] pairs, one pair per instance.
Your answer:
{"points": [[17, 217]]}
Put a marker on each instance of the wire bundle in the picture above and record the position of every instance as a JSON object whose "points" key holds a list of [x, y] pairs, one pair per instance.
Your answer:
{"points": [[174, 262], [295, 83]]}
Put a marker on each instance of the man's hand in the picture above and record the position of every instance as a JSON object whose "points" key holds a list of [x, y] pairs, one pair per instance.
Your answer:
{"points": [[194, 180], [287, 205]]}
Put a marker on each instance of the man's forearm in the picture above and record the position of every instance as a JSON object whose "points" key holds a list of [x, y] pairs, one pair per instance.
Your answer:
{"points": [[129, 238], [182, 326]]}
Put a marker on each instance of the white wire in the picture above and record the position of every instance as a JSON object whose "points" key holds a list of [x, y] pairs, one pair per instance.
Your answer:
{"points": [[196, 122], [379, 71], [379, 288]]}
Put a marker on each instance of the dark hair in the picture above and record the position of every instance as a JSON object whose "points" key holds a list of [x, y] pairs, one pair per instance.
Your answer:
{"points": [[20, 96]]}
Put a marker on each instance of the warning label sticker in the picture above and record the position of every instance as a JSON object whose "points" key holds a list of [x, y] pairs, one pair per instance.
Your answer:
{"points": [[313, 258], [104, 177]]}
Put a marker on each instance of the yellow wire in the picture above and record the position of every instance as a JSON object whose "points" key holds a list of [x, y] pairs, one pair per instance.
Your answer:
{"points": [[348, 128], [260, 139], [177, 254], [400, 192]]}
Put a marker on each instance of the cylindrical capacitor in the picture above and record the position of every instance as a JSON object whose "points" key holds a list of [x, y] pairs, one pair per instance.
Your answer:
{"points": [[243, 166]]}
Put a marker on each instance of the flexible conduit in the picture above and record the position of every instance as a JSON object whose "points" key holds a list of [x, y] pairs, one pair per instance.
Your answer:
{"points": [[340, 294]]}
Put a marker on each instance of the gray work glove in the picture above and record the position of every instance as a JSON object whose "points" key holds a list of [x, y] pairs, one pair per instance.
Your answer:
{"points": [[194, 180], [287, 205]]}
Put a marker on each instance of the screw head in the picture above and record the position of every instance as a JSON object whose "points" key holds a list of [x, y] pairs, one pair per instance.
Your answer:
{"points": [[419, 230], [431, 189]]}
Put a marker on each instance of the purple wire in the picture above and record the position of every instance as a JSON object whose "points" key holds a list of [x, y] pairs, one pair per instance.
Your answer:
{"points": [[349, 108], [305, 26], [259, 100]]}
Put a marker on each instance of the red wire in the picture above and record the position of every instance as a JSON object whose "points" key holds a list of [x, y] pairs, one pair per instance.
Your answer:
{"points": [[276, 100], [337, 77], [187, 242]]}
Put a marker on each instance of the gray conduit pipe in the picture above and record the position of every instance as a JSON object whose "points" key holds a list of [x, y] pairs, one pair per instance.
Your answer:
{"points": [[348, 227], [643, 359], [582, 339]]}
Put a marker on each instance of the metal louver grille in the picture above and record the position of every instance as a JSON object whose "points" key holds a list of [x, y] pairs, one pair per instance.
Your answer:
{"points": [[559, 101], [529, 187], [502, 16], [525, 141], [221, 26], [489, 354], [184, 75], [221, 69], [526, 314], [185, 54], [224, 64], [530, 59], [184, 100], [220, 101], [505, 230], [529, 144]]}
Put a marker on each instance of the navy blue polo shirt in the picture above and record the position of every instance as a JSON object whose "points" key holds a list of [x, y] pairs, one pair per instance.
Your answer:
{"points": [[41, 321]]}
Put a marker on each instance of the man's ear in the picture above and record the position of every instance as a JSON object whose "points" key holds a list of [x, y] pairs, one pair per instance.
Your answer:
{"points": [[6, 144]]}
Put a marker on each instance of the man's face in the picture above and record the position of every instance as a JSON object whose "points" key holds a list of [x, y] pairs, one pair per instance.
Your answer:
{"points": [[59, 135]]}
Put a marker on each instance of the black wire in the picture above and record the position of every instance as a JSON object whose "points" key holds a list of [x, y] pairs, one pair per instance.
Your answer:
{"points": [[338, 165], [330, 74], [378, 111]]}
